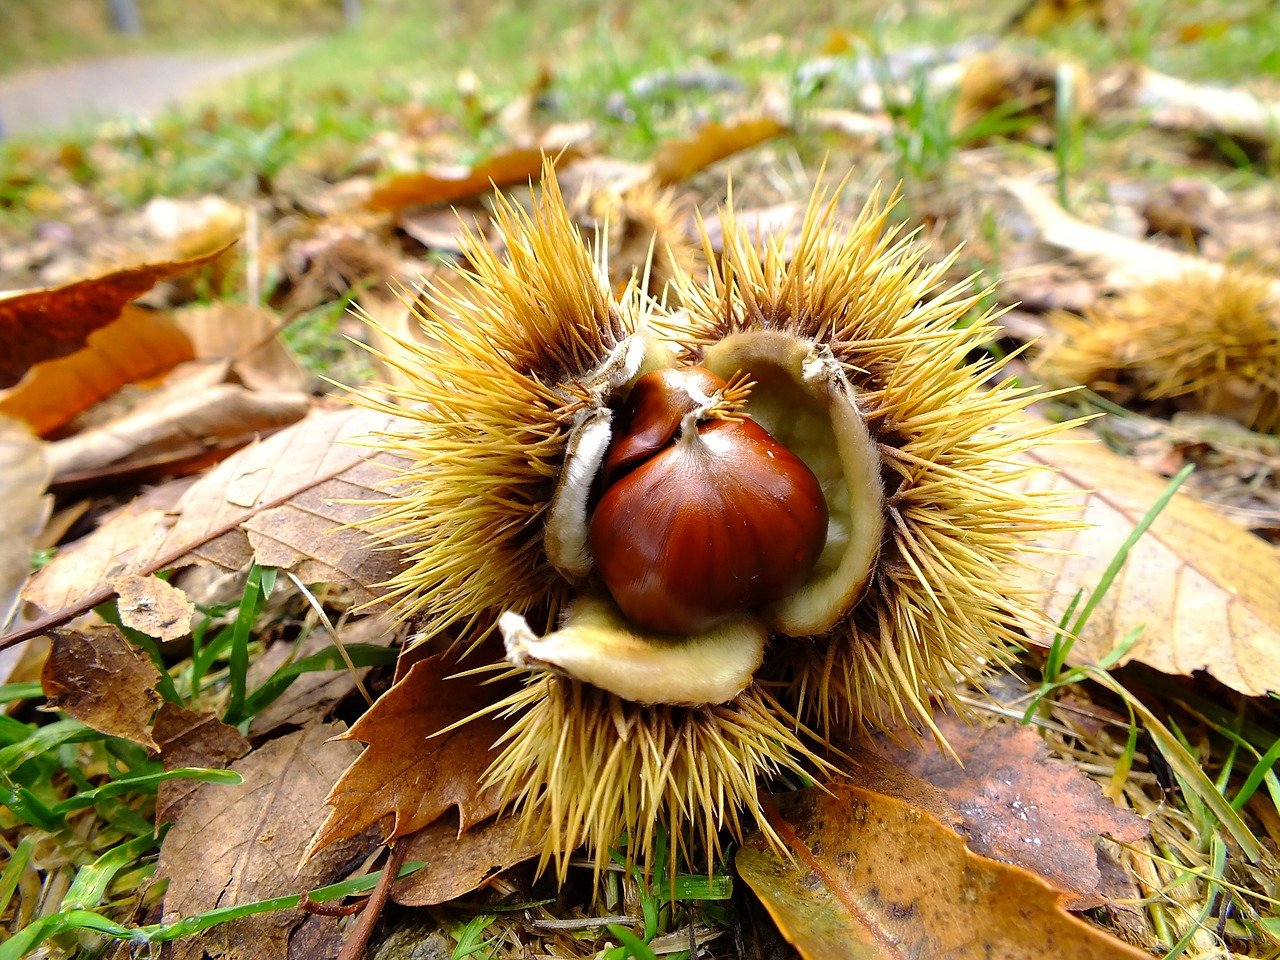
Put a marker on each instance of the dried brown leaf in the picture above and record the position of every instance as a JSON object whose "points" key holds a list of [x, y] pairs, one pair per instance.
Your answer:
{"points": [[235, 844], [392, 330], [278, 502], [152, 606], [249, 336], [1203, 591], [191, 739], [39, 325], [1011, 801], [516, 165], [103, 681], [442, 228], [409, 774], [176, 424], [135, 346], [24, 508], [871, 877], [457, 863], [678, 159]]}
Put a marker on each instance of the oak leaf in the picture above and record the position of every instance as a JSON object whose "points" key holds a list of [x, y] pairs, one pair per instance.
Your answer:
{"points": [[871, 877], [242, 843], [103, 681], [513, 166], [279, 502], [1010, 800], [410, 772], [1203, 591], [677, 160], [24, 508], [37, 325]]}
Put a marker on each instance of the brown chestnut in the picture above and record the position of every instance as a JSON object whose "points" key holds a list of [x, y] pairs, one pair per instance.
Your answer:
{"points": [[715, 516]]}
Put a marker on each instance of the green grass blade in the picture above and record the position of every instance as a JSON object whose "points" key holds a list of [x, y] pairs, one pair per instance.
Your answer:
{"points": [[145, 782], [1262, 771], [164, 932], [1118, 561], [1184, 765], [42, 741], [91, 882], [13, 870], [24, 941], [330, 658], [10, 692], [697, 887], [634, 946], [256, 589]]}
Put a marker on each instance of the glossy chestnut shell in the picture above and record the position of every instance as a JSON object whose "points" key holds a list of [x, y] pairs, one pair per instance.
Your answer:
{"points": [[700, 518]]}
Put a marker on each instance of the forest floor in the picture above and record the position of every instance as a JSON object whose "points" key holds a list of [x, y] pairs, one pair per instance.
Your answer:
{"points": [[187, 584]]}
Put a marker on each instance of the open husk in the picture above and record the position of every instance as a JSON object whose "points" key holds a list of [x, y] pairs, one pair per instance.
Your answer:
{"points": [[862, 369]]}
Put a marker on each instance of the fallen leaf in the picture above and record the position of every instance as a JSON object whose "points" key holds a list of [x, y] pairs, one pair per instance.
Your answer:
{"points": [[103, 681], [1203, 591], [393, 329], [190, 739], [175, 424], [1177, 104], [870, 877], [78, 567], [445, 185], [326, 260], [407, 773], [279, 502], [250, 337], [314, 695], [24, 508], [1128, 262], [137, 345], [457, 863], [1012, 802], [236, 844], [442, 228], [38, 325], [678, 159], [152, 606], [586, 178]]}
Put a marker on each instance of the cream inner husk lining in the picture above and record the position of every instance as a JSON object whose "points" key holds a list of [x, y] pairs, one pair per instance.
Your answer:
{"points": [[804, 400]]}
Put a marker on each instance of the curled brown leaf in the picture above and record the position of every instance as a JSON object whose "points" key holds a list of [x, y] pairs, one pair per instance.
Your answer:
{"points": [[870, 877]]}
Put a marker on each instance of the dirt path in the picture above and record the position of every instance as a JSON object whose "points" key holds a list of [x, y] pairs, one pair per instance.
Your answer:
{"points": [[52, 98]]}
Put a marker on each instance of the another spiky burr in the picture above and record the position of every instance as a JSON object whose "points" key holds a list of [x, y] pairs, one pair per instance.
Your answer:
{"points": [[1202, 341]]}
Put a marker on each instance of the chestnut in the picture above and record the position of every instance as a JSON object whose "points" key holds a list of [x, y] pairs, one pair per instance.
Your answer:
{"points": [[702, 516]]}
